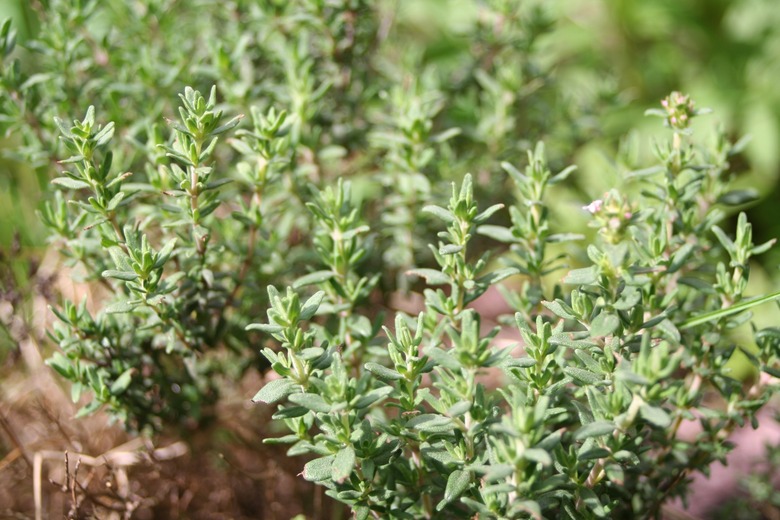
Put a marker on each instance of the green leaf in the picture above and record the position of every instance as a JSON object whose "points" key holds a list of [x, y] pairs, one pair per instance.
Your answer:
{"points": [[667, 328], [728, 311], [772, 371], [119, 307], [498, 233], [592, 501], [680, 257], [457, 483], [313, 278], [604, 324], [318, 470], [738, 197], [115, 201], [564, 237], [523, 362], [459, 408], [450, 249], [382, 372], [75, 392], [343, 464], [584, 376], [372, 397], [432, 276], [497, 276], [290, 412], [312, 304], [216, 184], [361, 512], [482, 217], [615, 474], [122, 382], [311, 353], [440, 212], [70, 183], [655, 415], [285, 439], [127, 276], [725, 241], [120, 258], [89, 408], [529, 506], [645, 172], [585, 276], [165, 253], [269, 328], [275, 391], [431, 423], [595, 429], [313, 402], [592, 454], [537, 455], [35, 79], [560, 309], [61, 364], [446, 135], [494, 472], [627, 457]]}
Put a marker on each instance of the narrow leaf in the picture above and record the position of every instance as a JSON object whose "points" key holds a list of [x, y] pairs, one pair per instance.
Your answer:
{"points": [[274, 391], [318, 470], [594, 429], [499, 233], [728, 311], [71, 184], [343, 464], [604, 324], [312, 304], [457, 483], [127, 276], [119, 307], [382, 372], [313, 278], [119, 386], [313, 402], [560, 309], [585, 276], [655, 415], [432, 276], [450, 249], [584, 376], [440, 212]]}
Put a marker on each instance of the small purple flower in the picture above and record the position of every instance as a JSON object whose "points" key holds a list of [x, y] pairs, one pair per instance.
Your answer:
{"points": [[594, 207]]}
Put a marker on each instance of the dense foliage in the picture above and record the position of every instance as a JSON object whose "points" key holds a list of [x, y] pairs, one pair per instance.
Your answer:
{"points": [[304, 174]]}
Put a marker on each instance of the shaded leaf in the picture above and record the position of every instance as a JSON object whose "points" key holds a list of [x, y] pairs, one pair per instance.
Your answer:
{"points": [[313, 402], [457, 483], [604, 324], [655, 415], [343, 464], [595, 429], [122, 382], [382, 372], [313, 278], [432, 276]]}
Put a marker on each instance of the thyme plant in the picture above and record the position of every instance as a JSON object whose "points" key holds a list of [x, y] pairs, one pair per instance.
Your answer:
{"points": [[585, 421], [315, 172]]}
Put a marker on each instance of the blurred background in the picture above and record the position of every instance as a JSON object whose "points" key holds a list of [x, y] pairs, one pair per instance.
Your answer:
{"points": [[610, 59]]}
